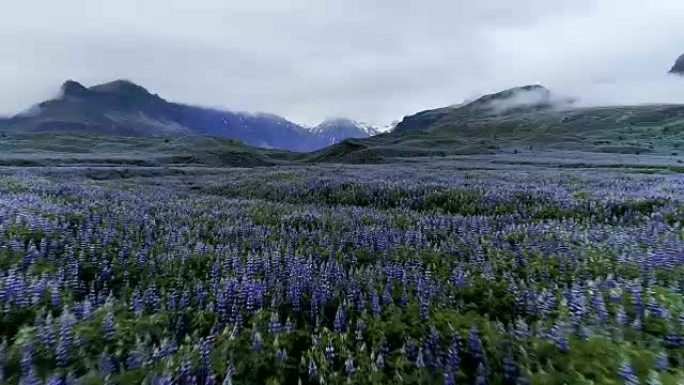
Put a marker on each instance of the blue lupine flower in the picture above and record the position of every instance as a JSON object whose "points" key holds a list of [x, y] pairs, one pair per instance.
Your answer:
{"points": [[274, 326], [481, 378], [256, 342], [475, 345], [559, 337], [340, 320], [313, 370], [627, 374], [661, 361], [349, 365], [330, 352], [108, 324]]}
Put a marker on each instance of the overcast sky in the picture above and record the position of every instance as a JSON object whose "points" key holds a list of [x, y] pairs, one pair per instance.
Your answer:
{"points": [[372, 60]]}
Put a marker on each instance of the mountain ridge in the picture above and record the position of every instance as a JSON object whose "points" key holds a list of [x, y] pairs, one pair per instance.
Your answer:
{"points": [[520, 119], [333, 130], [516, 100], [124, 108]]}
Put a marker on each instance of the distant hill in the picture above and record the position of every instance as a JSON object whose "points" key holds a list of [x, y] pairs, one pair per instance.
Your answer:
{"points": [[87, 149], [678, 67], [123, 108], [522, 119]]}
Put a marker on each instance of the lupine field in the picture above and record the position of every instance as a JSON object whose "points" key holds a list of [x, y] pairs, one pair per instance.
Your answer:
{"points": [[342, 275]]}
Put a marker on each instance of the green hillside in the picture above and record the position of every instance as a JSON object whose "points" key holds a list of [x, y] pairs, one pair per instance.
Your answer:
{"points": [[87, 149]]}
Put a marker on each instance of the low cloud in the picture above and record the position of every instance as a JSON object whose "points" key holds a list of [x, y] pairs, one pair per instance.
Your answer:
{"points": [[368, 60], [535, 97]]}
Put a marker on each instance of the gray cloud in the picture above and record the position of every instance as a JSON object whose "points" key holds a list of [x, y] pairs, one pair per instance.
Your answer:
{"points": [[368, 60]]}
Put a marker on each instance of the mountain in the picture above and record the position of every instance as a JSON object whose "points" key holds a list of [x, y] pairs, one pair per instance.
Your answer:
{"points": [[678, 67], [522, 119], [514, 101], [123, 108], [332, 131]]}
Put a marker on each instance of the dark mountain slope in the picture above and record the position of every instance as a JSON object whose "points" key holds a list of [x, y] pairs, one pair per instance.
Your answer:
{"points": [[514, 101], [523, 119], [678, 67], [126, 109]]}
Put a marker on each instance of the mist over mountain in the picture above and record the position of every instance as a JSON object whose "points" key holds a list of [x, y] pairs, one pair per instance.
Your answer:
{"points": [[124, 108], [524, 99]]}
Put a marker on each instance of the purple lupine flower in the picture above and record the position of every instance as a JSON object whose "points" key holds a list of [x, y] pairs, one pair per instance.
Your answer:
{"points": [[230, 372], [107, 365], [411, 350], [621, 316], [481, 375], [289, 326], [137, 306], [281, 355], [559, 337], [330, 352], [375, 304], [387, 295], [134, 360], [458, 277], [383, 347], [510, 369], [673, 341], [185, 371], [600, 306], [55, 300], [637, 301], [627, 374], [475, 345], [577, 305], [453, 359], [205, 355], [256, 342], [380, 362], [108, 326], [448, 379], [339, 324], [522, 329], [65, 338], [26, 359], [349, 365], [661, 361], [654, 309], [423, 307], [55, 380], [274, 326], [420, 362], [360, 328], [210, 379], [30, 378], [47, 332], [313, 370]]}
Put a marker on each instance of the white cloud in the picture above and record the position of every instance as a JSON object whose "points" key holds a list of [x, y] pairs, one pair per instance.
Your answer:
{"points": [[368, 60]]}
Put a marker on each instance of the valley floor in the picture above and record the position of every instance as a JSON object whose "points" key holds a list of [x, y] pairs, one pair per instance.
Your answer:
{"points": [[506, 269]]}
